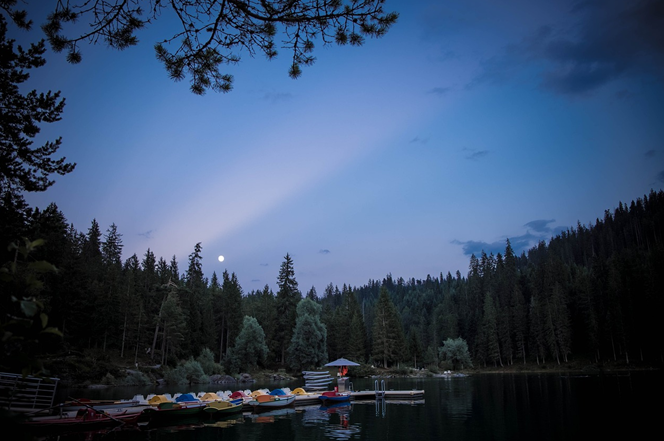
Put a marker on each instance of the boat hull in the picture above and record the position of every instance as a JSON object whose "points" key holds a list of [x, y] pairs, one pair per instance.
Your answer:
{"points": [[85, 421], [272, 402], [223, 408]]}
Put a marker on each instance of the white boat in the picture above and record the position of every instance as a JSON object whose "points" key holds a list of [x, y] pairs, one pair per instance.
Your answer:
{"points": [[272, 401]]}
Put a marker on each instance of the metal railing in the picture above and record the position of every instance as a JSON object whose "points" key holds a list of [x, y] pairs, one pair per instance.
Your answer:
{"points": [[380, 391], [18, 392]]}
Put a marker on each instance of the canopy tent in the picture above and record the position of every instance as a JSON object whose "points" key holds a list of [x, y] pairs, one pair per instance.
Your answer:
{"points": [[342, 362]]}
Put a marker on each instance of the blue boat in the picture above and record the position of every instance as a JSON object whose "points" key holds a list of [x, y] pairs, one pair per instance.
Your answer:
{"points": [[334, 397]]}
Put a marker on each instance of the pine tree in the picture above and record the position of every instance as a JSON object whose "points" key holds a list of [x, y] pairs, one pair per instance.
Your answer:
{"points": [[231, 313], [175, 328], [490, 331], [212, 33], [191, 300], [131, 307], [22, 167], [288, 297], [388, 339]]}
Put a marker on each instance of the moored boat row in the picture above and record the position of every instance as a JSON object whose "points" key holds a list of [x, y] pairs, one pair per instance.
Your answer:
{"points": [[83, 414]]}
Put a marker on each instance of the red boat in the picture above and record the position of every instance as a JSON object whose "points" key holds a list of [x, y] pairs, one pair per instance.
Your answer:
{"points": [[85, 419], [334, 397]]}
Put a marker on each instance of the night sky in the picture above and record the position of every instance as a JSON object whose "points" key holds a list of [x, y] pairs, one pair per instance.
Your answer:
{"points": [[470, 122]]}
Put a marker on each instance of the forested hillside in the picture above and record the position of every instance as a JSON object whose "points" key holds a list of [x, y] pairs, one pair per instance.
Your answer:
{"points": [[593, 292]]}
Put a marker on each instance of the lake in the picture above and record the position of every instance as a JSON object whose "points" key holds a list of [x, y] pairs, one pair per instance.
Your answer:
{"points": [[477, 407]]}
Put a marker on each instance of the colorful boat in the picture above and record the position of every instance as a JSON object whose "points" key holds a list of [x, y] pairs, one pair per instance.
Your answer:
{"points": [[223, 407], [84, 403], [334, 397], [170, 409], [85, 419], [262, 402]]}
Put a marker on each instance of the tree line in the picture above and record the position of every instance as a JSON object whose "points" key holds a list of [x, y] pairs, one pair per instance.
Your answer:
{"points": [[592, 291]]}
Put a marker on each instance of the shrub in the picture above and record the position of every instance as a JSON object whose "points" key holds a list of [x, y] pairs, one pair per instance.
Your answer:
{"points": [[456, 352], [137, 378], [363, 370], [188, 372], [194, 372], [446, 365], [399, 371], [175, 376], [206, 360], [108, 379]]}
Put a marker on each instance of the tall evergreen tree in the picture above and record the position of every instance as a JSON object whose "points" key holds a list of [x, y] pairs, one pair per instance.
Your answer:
{"points": [[489, 332], [388, 339], [230, 306], [288, 297], [130, 306], [174, 329]]}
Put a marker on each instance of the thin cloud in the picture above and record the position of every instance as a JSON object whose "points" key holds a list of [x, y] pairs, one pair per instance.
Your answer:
{"points": [[264, 264], [418, 140], [147, 234], [324, 252], [277, 97], [476, 155], [439, 91], [471, 247], [660, 176], [537, 231], [519, 244], [540, 225], [651, 153]]}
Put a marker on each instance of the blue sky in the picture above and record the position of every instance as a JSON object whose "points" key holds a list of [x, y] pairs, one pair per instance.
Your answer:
{"points": [[467, 124]]}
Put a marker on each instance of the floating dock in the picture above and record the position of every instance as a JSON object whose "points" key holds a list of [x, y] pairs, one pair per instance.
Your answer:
{"points": [[387, 395]]}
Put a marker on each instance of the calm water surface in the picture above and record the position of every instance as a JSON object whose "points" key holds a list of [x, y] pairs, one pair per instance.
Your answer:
{"points": [[479, 407]]}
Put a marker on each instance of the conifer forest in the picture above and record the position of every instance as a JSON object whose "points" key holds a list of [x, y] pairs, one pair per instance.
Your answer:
{"points": [[592, 292]]}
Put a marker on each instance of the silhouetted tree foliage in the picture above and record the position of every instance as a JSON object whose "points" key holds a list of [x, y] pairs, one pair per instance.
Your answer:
{"points": [[212, 33], [592, 292], [308, 346], [22, 166], [250, 348], [287, 299]]}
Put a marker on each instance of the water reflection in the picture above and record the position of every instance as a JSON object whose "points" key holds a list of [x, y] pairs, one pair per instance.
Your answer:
{"points": [[271, 416], [225, 422], [501, 407], [333, 420]]}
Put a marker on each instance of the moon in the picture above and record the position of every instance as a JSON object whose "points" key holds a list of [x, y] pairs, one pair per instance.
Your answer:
{"points": [[221, 258]]}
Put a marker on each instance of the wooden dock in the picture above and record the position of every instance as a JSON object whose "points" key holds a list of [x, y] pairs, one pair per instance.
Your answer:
{"points": [[366, 395], [388, 394]]}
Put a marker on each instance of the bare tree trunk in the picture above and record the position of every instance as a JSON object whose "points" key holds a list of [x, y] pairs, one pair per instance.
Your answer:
{"points": [[124, 335], [156, 329], [138, 335], [163, 347], [221, 345]]}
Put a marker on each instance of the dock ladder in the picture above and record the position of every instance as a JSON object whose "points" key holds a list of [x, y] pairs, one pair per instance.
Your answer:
{"points": [[380, 391], [381, 408]]}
